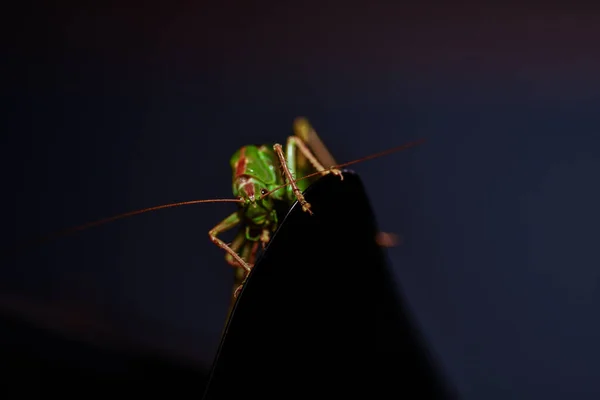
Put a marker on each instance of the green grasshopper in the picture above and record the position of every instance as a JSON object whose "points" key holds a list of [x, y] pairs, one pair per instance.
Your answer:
{"points": [[262, 177], [264, 183]]}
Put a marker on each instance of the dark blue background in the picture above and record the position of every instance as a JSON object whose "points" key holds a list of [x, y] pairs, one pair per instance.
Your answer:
{"points": [[109, 110]]}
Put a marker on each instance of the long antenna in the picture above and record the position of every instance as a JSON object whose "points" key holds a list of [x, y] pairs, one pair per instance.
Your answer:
{"points": [[103, 221], [359, 160]]}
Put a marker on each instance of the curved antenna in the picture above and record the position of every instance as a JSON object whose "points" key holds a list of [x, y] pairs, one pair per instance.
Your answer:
{"points": [[359, 160], [103, 221]]}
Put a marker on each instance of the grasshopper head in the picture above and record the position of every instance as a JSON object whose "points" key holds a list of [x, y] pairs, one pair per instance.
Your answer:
{"points": [[251, 191]]}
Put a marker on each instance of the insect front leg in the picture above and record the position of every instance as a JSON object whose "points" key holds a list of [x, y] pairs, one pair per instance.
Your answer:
{"points": [[236, 245], [228, 223], [249, 252], [288, 175]]}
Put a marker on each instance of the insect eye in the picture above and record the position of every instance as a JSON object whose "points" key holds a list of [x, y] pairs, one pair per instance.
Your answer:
{"points": [[263, 191]]}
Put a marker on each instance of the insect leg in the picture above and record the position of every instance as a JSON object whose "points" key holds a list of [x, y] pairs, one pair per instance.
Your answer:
{"points": [[249, 252], [295, 141], [288, 175], [236, 245], [308, 136], [306, 132], [226, 224]]}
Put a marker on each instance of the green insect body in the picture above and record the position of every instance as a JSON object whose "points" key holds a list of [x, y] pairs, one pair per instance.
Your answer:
{"points": [[258, 175]]}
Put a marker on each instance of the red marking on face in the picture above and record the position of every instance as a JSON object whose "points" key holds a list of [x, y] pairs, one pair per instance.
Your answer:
{"points": [[240, 167], [249, 189]]}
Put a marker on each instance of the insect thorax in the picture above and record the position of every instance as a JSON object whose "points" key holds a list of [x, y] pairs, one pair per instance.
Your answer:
{"points": [[259, 163]]}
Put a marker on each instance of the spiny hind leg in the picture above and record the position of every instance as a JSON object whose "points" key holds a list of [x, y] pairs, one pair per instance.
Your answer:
{"points": [[304, 130]]}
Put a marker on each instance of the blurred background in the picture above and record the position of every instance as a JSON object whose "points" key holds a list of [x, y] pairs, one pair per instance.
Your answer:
{"points": [[110, 108]]}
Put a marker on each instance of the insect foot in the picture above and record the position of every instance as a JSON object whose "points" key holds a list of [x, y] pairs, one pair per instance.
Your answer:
{"points": [[337, 172], [238, 290], [306, 207]]}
